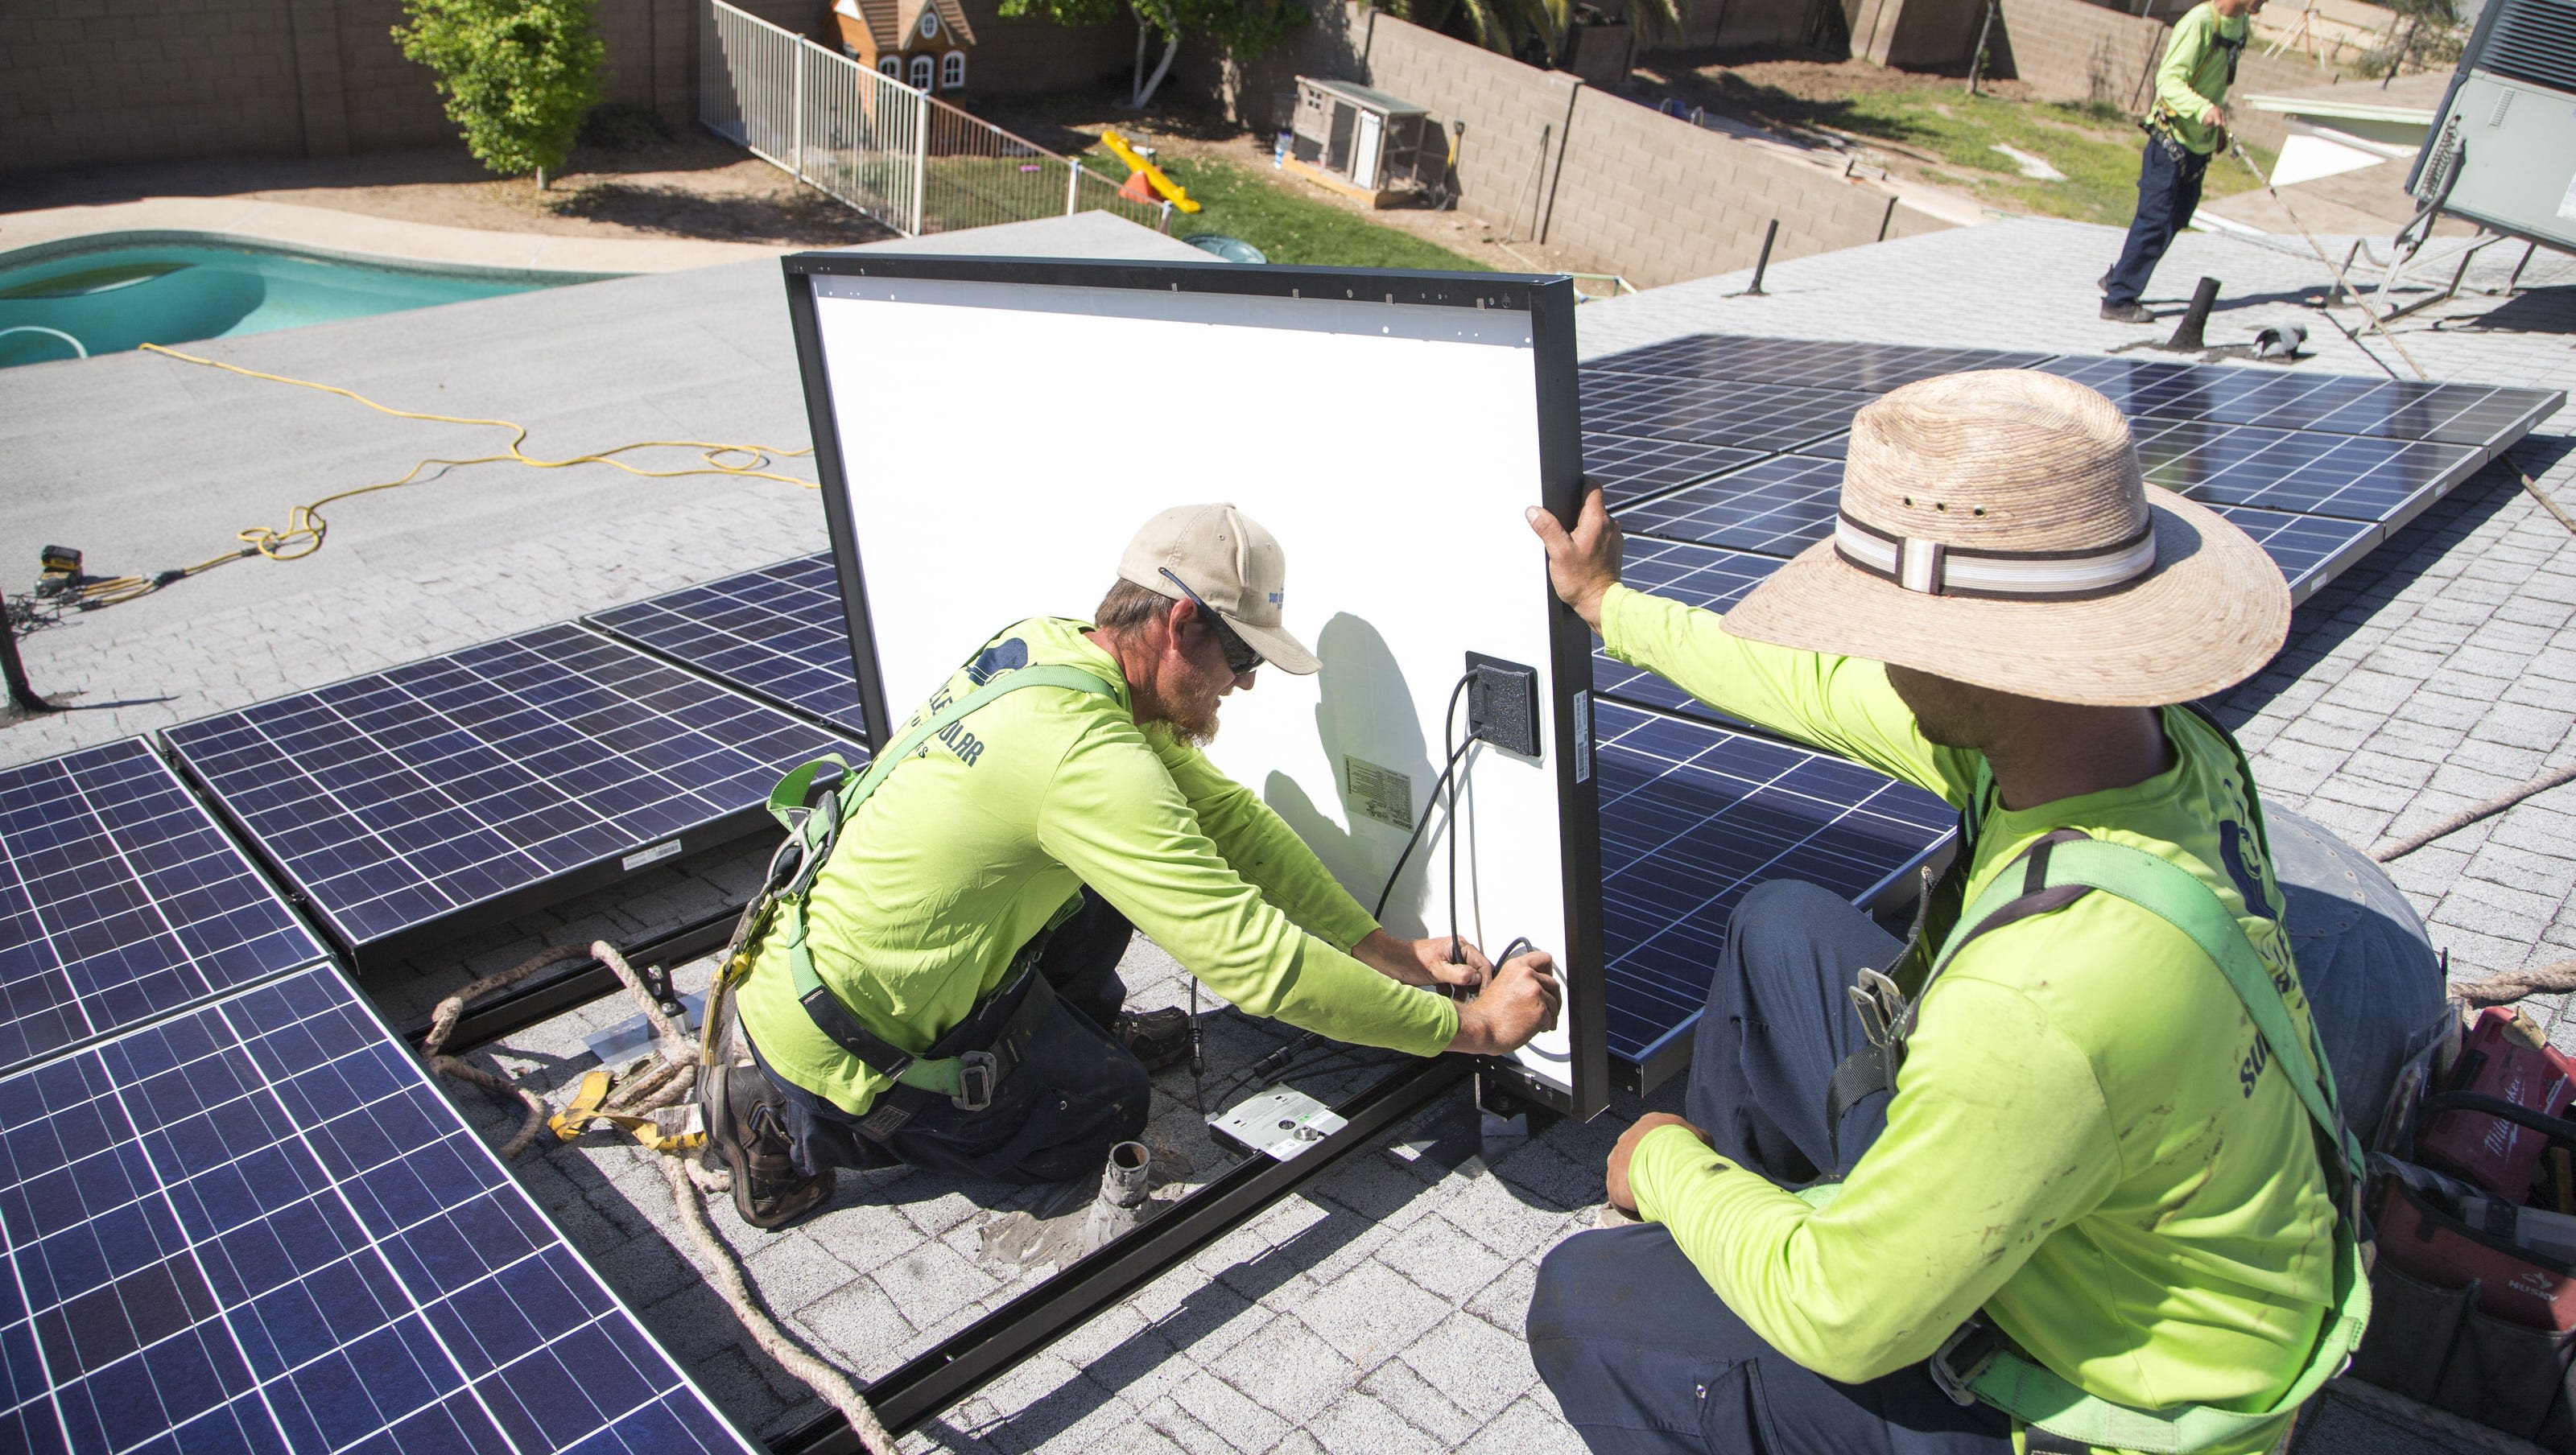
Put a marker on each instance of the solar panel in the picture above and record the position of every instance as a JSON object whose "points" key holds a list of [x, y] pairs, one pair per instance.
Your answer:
{"points": [[2477, 415], [2311, 550], [1746, 414], [2348, 476], [462, 789], [121, 900], [1699, 575], [777, 633], [1635, 469], [257, 1226], [1692, 816], [1778, 507], [1821, 364]]}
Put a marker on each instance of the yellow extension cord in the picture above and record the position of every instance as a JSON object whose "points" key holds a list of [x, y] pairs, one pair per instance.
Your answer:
{"points": [[305, 526]]}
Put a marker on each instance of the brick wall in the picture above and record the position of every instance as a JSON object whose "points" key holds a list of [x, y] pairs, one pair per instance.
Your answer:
{"points": [[1512, 157], [95, 81]]}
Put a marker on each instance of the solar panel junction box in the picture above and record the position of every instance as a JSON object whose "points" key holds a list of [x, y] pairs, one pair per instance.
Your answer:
{"points": [[1279, 1123], [1502, 704]]}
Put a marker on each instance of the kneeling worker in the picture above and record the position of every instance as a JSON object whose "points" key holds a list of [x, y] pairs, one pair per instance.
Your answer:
{"points": [[2095, 1204], [953, 1002]]}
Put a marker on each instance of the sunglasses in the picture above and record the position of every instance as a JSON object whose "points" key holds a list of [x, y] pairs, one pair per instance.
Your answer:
{"points": [[1239, 655]]}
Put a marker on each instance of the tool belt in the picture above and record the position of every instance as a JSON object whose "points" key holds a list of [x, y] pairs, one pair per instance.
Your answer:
{"points": [[968, 1064], [1978, 1364]]}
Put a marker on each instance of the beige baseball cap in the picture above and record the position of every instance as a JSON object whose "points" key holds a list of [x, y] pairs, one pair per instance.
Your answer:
{"points": [[1235, 567]]}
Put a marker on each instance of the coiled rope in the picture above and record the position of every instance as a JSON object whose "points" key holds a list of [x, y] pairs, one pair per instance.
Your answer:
{"points": [[668, 1082]]}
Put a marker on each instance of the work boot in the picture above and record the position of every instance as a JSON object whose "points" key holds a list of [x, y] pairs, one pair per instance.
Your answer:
{"points": [[749, 1131], [1156, 1037], [2127, 313], [2103, 283]]}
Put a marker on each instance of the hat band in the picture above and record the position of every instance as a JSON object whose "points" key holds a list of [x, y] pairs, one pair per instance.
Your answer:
{"points": [[1936, 569]]}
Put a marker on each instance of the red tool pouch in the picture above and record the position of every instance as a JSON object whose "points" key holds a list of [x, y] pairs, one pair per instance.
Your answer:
{"points": [[2470, 1132]]}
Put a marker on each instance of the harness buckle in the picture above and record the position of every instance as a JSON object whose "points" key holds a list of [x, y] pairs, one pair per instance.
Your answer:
{"points": [[1974, 1345], [978, 1073]]}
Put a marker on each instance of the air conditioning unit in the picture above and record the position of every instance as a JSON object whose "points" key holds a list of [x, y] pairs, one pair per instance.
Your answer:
{"points": [[2503, 151]]}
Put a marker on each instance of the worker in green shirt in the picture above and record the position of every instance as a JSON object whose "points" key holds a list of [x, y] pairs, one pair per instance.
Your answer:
{"points": [[2186, 126], [2069, 1140], [946, 995]]}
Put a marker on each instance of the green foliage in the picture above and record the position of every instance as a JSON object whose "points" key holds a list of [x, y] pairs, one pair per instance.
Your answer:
{"points": [[1240, 29], [517, 74], [1540, 32]]}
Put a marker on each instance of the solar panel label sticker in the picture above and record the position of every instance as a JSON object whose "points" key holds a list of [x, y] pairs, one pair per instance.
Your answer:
{"points": [[1692, 816], [120, 900], [493, 779], [258, 1227], [777, 633]]}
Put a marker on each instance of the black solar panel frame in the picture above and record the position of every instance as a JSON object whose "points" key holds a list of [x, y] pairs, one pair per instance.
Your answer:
{"points": [[374, 953]]}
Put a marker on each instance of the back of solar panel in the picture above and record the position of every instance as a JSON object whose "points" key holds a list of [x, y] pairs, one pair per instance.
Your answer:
{"points": [[991, 432]]}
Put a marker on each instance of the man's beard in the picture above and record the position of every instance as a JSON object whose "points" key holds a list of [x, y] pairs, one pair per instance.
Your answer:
{"points": [[1196, 728]]}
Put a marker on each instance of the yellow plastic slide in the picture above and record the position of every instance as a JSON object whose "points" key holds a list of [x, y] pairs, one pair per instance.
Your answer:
{"points": [[1172, 191]]}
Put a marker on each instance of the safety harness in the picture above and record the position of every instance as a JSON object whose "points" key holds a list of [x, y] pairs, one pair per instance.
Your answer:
{"points": [[969, 1063], [1978, 1364]]}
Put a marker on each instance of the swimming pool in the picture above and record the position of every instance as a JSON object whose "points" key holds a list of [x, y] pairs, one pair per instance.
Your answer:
{"points": [[115, 295]]}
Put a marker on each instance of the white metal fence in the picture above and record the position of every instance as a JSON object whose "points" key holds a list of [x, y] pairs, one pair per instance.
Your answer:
{"points": [[902, 156]]}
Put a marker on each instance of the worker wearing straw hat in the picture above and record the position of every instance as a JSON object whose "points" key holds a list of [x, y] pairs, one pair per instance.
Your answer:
{"points": [[2051, 1145]]}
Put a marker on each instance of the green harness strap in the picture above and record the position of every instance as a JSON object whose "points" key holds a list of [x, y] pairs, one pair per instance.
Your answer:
{"points": [[2000, 1376], [814, 829]]}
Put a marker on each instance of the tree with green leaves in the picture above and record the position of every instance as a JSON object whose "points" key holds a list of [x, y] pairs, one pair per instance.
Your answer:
{"points": [[1239, 28], [517, 74], [1538, 31]]}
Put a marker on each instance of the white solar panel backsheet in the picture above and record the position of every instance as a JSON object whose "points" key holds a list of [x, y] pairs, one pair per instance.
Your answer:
{"points": [[1002, 441]]}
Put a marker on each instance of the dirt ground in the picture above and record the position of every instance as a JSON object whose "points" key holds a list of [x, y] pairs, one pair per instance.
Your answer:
{"points": [[695, 186], [691, 187]]}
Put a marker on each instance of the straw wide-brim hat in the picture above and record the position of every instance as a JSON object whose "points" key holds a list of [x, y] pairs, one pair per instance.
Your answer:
{"points": [[1995, 530]]}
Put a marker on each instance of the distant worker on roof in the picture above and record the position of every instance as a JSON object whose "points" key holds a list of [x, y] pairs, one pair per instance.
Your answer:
{"points": [[2072, 1166], [942, 990], [2186, 126]]}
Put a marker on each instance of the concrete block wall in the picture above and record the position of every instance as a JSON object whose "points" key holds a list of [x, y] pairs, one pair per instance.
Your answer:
{"points": [[1618, 185], [85, 82], [1518, 117], [1671, 201]]}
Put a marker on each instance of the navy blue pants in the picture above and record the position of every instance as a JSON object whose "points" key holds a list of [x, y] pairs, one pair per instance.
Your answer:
{"points": [[1076, 1094], [1640, 1352], [2168, 193]]}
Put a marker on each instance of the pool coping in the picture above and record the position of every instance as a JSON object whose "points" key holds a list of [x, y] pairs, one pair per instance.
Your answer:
{"points": [[358, 237]]}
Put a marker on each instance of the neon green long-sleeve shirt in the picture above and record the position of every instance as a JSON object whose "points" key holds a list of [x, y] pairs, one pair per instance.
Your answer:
{"points": [[982, 840], [2084, 1141], [2195, 72]]}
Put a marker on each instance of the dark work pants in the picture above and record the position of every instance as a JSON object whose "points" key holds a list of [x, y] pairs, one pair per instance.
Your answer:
{"points": [[1640, 1352], [2168, 193], [1057, 1114]]}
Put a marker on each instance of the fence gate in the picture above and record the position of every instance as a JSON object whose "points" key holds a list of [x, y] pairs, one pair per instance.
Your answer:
{"points": [[899, 155]]}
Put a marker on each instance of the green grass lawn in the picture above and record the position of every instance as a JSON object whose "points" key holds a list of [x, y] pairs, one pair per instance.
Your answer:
{"points": [[1239, 202], [2095, 146]]}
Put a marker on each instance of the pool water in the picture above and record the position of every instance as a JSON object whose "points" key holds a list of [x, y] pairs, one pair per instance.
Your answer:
{"points": [[115, 298]]}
